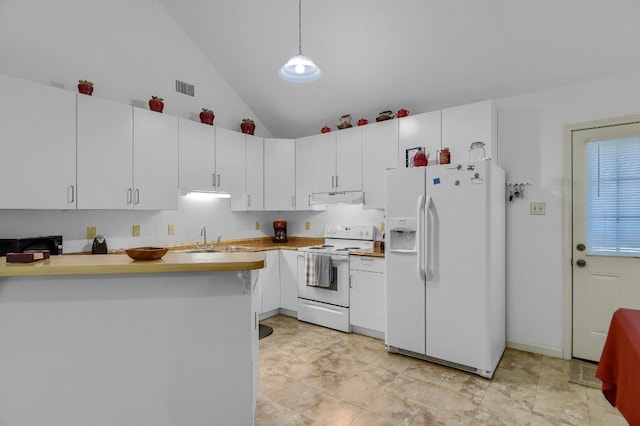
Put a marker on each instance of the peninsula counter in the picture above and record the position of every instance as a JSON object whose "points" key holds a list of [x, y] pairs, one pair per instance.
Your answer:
{"points": [[104, 340]]}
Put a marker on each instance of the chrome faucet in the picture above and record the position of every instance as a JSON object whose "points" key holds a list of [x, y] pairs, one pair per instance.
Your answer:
{"points": [[219, 238], [203, 232]]}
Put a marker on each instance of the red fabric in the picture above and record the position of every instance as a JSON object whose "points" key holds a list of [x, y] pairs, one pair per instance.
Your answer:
{"points": [[619, 367]]}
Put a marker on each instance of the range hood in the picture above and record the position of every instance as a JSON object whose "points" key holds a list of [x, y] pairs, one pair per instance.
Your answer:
{"points": [[348, 197]]}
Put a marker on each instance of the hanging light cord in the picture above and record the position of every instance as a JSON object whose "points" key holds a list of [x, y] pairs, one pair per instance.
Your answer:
{"points": [[300, 27]]}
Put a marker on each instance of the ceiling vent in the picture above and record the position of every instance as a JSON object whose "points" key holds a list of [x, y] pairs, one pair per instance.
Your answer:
{"points": [[185, 88]]}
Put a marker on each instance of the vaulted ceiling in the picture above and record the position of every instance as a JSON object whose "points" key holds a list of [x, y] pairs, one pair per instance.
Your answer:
{"points": [[421, 55]]}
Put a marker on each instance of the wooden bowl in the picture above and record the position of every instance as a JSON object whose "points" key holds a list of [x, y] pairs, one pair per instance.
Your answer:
{"points": [[147, 253]]}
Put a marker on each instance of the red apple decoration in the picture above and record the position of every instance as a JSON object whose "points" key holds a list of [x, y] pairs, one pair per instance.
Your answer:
{"points": [[325, 129], [247, 126], [156, 104], [402, 113], [363, 121], [85, 87], [207, 116]]}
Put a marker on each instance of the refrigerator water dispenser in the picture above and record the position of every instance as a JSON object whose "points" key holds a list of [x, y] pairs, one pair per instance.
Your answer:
{"points": [[402, 233]]}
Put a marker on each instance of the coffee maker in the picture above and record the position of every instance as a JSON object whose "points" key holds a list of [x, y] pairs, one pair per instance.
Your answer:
{"points": [[279, 231]]}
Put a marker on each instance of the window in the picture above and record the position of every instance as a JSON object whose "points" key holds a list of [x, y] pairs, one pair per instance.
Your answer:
{"points": [[613, 197]]}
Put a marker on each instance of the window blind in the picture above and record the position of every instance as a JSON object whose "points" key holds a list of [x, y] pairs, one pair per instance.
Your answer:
{"points": [[613, 197]]}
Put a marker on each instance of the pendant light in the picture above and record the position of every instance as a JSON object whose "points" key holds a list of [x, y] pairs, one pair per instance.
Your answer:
{"points": [[300, 69]]}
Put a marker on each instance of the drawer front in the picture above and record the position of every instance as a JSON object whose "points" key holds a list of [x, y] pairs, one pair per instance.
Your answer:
{"points": [[366, 263]]}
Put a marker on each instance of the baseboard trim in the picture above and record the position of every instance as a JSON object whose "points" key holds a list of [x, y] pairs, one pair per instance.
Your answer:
{"points": [[536, 349], [367, 332]]}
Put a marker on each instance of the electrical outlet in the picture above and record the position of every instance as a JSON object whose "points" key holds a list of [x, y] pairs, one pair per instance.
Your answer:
{"points": [[171, 229], [307, 225], [257, 225], [382, 226], [537, 208], [91, 232], [136, 230]]}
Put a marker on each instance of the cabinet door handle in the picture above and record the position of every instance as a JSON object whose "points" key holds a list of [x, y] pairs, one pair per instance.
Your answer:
{"points": [[309, 200], [213, 180], [337, 181], [218, 181], [248, 200], [350, 281], [333, 181], [137, 196], [71, 194], [293, 201], [129, 196]]}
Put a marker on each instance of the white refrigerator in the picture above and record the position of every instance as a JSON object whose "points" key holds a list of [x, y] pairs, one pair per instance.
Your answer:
{"points": [[445, 263]]}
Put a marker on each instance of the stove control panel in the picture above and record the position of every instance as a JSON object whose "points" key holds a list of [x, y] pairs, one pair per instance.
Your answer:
{"points": [[360, 232]]}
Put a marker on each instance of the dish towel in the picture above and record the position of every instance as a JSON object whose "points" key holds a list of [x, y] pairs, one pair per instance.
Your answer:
{"points": [[318, 268]]}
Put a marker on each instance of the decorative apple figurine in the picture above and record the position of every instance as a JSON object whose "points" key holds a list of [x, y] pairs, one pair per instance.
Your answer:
{"points": [[402, 113], [325, 129], [363, 121], [85, 87], [207, 116], [247, 126], [156, 104], [421, 159]]}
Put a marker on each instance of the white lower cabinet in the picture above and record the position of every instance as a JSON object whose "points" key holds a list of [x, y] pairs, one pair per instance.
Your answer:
{"points": [[367, 295], [288, 282], [271, 284]]}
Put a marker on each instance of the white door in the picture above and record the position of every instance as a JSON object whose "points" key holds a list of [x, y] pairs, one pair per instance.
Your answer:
{"points": [[255, 173], [406, 316], [279, 174], [379, 153], [230, 162], [197, 155], [323, 166], [105, 154], [349, 159], [155, 160], [606, 231]]}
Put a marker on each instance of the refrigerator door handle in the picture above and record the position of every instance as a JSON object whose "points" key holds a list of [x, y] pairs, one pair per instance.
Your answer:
{"points": [[420, 237], [429, 237]]}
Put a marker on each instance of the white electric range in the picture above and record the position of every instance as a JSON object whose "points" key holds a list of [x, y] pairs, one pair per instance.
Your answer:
{"points": [[328, 306]]}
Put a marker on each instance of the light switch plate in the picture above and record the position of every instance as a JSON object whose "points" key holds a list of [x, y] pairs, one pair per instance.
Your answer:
{"points": [[136, 230], [257, 225], [307, 225], [537, 208], [171, 229]]}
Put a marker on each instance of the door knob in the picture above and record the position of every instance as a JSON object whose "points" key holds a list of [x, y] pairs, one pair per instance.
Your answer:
{"points": [[581, 263], [581, 247]]}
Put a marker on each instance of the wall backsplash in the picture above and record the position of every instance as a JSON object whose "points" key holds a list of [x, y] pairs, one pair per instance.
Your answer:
{"points": [[215, 214]]}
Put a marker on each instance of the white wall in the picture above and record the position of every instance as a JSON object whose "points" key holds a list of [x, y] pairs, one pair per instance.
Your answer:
{"points": [[530, 134]]}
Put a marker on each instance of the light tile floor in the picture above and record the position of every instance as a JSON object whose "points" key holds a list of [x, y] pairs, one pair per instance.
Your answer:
{"points": [[311, 375]]}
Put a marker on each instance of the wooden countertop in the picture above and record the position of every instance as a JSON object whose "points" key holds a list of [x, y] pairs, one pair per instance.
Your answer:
{"points": [[123, 264]]}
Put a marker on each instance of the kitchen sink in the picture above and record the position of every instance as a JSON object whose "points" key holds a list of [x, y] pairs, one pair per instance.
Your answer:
{"points": [[224, 249]]}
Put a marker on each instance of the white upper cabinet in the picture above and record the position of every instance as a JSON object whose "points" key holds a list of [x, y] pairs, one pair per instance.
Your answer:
{"points": [[279, 174], [379, 152], [470, 123], [231, 164], [337, 161], [304, 177], [255, 173], [323, 164], [349, 159], [105, 154], [38, 134], [197, 156], [155, 160], [421, 130]]}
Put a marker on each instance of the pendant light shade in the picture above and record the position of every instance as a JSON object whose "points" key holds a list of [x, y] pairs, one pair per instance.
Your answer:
{"points": [[300, 69]]}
